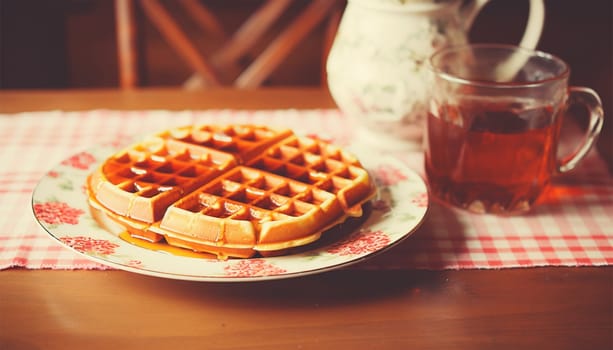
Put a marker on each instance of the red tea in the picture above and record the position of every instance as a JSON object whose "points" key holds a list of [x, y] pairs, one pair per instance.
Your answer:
{"points": [[491, 158]]}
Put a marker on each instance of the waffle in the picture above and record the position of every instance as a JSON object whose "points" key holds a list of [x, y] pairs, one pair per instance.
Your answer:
{"points": [[233, 191]]}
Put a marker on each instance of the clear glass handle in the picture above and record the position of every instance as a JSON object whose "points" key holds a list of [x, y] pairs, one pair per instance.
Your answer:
{"points": [[590, 99]]}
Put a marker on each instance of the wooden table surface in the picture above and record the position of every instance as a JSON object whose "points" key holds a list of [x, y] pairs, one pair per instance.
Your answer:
{"points": [[533, 308]]}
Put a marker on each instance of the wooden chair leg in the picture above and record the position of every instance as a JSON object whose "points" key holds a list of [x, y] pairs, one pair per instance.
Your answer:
{"points": [[227, 58], [204, 18], [248, 34], [274, 54], [179, 41], [239, 44], [127, 50], [209, 24]]}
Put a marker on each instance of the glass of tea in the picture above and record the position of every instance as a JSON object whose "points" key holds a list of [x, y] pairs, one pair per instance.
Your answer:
{"points": [[493, 128]]}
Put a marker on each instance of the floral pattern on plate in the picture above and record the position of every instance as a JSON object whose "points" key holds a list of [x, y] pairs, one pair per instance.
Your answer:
{"points": [[60, 206]]}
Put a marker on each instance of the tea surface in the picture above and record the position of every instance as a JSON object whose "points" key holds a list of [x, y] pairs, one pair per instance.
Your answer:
{"points": [[491, 158]]}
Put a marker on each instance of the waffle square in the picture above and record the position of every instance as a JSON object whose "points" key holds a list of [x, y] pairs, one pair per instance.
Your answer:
{"points": [[233, 191]]}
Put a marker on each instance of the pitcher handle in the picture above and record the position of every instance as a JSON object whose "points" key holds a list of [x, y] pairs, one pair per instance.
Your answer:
{"points": [[532, 33], [591, 101], [534, 25]]}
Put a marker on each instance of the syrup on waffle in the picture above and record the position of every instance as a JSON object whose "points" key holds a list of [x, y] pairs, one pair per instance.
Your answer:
{"points": [[232, 191]]}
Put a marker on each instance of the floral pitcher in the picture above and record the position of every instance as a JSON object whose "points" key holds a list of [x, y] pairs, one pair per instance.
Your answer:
{"points": [[376, 67]]}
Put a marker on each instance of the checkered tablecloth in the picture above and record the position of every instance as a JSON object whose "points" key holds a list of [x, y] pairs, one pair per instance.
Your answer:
{"points": [[573, 226]]}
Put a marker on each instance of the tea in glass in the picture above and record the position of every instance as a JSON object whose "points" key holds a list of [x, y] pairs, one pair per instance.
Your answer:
{"points": [[491, 141]]}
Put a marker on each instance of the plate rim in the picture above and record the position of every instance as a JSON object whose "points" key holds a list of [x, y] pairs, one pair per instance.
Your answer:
{"points": [[98, 149]]}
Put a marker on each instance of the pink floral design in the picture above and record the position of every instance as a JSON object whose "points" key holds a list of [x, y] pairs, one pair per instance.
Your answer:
{"points": [[82, 160], [251, 268], [53, 174], [57, 213], [388, 175], [361, 243], [421, 200], [90, 246], [360, 104]]}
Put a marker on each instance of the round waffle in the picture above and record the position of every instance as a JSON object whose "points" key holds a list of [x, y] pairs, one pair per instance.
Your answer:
{"points": [[233, 191]]}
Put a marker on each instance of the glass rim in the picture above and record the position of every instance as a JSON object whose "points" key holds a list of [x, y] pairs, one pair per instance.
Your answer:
{"points": [[564, 74]]}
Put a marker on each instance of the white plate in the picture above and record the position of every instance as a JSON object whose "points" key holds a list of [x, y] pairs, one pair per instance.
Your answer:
{"points": [[60, 206]]}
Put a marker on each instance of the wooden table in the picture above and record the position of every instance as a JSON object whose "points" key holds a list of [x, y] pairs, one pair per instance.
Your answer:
{"points": [[535, 308]]}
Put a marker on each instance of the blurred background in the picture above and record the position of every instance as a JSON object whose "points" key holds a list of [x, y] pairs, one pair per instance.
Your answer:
{"points": [[64, 44]]}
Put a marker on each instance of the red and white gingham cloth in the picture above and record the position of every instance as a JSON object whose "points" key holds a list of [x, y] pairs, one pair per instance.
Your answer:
{"points": [[572, 227]]}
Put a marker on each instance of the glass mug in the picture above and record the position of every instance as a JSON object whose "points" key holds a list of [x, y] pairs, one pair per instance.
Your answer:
{"points": [[493, 127]]}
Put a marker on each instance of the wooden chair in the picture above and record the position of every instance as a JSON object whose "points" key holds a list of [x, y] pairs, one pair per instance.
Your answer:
{"points": [[208, 68]]}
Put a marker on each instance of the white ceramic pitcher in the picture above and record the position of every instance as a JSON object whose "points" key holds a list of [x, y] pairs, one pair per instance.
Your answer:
{"points": [[376, 71]]}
